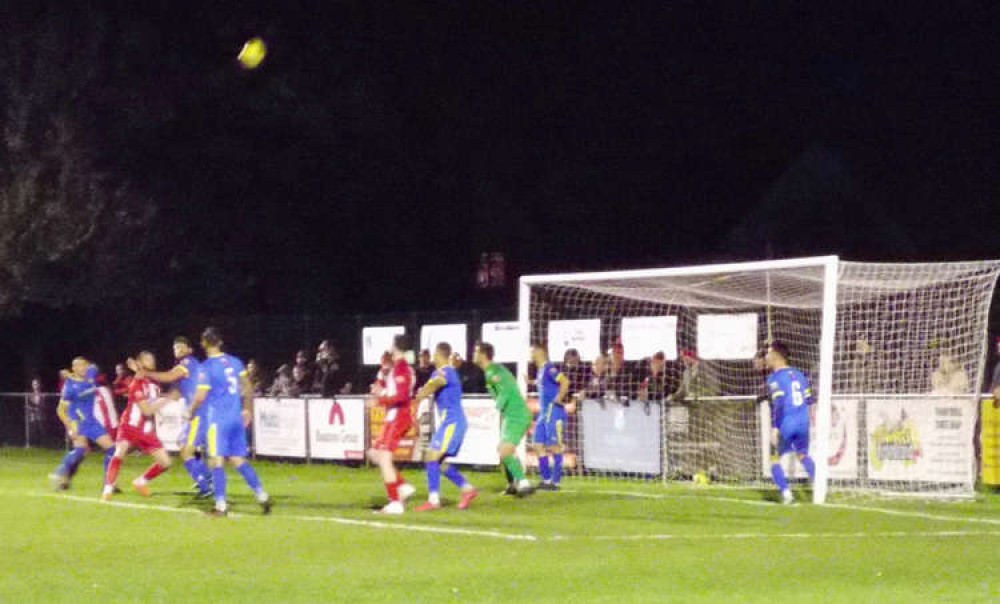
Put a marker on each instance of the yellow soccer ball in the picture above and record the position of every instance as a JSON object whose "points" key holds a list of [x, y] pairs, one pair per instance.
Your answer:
{"points": [[253, 53], [701, 479]]}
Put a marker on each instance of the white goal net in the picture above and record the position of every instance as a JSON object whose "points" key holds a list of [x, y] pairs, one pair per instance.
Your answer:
{"points": [[666, 385]]}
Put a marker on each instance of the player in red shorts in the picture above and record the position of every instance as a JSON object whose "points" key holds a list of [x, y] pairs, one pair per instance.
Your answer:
{"points": [[137, 429], [393, 392]]}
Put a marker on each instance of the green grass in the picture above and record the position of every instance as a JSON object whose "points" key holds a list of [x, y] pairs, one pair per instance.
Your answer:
{"points": [[587, 544]]}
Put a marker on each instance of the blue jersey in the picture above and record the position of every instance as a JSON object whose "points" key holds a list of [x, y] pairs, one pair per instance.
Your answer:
{"points": [[791, 396], [189, 383], [449, 397], [548, 385], [220, 375], [79, 394]]}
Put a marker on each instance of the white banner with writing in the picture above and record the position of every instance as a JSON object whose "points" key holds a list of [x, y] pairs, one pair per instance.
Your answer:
{"points": [[337, 428], [279, 426]]}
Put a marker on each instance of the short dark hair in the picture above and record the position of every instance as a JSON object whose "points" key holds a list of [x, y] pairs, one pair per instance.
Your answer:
{"points": [[400, 342], [486, 348], [212, 336], [182, 340], [781, 348], [660, 356], [444, 348]]}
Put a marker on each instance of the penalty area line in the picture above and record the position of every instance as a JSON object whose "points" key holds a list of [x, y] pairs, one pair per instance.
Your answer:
{"points": [[416, 528]]}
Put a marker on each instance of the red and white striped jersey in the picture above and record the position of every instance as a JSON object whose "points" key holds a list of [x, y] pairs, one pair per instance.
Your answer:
{"points": [[141, 389], [104, 409], [398, 385]]}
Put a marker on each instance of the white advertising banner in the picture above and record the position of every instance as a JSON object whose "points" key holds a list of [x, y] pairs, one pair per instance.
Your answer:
{"points": [[454, 334], [727, 337], [337, 428], [582, 334], [506, 340], [279, 426], [643, 337], [169, 421], [480, 444], [925, 439], [376, 340], [617, 438], [842, 450]]}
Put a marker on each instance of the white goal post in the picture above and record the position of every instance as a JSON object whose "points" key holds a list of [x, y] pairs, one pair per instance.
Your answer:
{"points": [[896, 353]]}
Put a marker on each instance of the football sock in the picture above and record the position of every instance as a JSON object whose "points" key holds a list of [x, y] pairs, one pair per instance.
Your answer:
{"points": [[557, 467], [452, 473], [250, 475], [543, 467], [809, 465], [391, 489], [514, 467], [71, 461], [779, 476], [108, 454], [219, 483], [153, 471], [199, 474], [111, 475], [433, 476]]}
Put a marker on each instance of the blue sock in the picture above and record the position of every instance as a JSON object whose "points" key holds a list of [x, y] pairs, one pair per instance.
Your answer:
{"points": [[219, 482], [70, 461], [250, 475], [108, 454], [452, 473], [778, 474], [198, 472], [810, 466], [543, 467], [557, 461], [433, 476]]}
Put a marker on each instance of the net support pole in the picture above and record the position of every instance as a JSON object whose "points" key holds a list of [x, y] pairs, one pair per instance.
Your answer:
{"points": [[825, 378], [524, 332]]}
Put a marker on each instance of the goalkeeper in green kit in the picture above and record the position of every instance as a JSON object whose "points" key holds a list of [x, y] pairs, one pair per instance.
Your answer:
{"points": [[516, 418]]}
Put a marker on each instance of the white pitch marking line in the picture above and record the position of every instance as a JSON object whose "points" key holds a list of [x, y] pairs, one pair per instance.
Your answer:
{"points": [[332, 519], [854, 535], [843, 506]]}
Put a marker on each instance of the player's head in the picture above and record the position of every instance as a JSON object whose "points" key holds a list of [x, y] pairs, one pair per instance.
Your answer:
{"points": [[442, 354], [689, 357], [425, 358], [79, 366], [571, 358], [182, 347], [601, 364], [211, 338], [400, 344], [777, 355], [658, 361], [539, 354], [484, 354], [146, 360]]}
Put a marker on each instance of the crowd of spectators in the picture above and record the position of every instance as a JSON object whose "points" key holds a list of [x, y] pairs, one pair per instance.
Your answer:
{"points": [[320, 376]]}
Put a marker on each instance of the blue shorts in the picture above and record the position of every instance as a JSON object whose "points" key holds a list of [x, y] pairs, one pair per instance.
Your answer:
{"points": [[227, 438], [193, 433], [550, 429], [793, 438], [91, 429], [448, 437]]}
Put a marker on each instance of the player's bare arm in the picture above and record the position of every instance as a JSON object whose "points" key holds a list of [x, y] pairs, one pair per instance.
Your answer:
{"points": [[246, 392], [433, 385]]}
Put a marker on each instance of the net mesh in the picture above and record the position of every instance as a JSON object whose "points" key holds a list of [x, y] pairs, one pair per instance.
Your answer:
{"points": [[908, 357]]}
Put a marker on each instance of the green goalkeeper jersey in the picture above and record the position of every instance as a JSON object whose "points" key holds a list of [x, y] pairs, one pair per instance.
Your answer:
{"points": [[503, 386]]}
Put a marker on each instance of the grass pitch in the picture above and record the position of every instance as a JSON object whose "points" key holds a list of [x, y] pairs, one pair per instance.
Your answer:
{"points": [[597, 541]]}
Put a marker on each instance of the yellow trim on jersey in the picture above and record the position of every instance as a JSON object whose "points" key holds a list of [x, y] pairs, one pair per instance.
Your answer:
{"points": [[193, 430], [62, 410], [183, 368], [444, 417], [203, 387], [440, 381], [778, 393], [448, 433], [213, 447], [562, 378], [244, 372]]}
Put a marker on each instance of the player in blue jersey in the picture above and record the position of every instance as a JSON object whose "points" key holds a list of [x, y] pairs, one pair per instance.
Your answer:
{"points": [[550, 425], [225, 390], [192, 436], [76, 411], [791, 396], [446, 386]]}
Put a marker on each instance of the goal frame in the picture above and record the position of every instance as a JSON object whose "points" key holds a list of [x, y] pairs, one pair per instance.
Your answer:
{"points": [[828, 326]]}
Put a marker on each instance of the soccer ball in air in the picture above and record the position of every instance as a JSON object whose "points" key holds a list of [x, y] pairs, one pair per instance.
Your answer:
{"points": [[252, 54]]}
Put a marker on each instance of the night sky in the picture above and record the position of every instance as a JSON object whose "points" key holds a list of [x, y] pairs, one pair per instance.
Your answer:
{"points": [[381, 147]]}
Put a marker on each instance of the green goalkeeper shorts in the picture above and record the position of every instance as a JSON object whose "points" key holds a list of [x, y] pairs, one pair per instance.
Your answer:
{"points": [[513, 429]]}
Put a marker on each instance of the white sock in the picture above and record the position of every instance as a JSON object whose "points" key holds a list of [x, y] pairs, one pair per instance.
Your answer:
{"points": [[139, 480], [434, 498], [262, 496]]}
